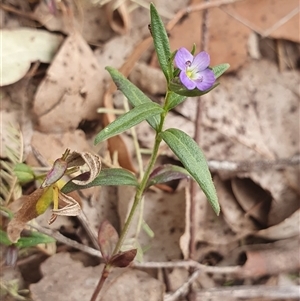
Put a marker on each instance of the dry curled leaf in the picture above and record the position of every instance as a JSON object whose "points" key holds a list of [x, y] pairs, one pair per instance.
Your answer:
{"points": [[92, 161], [68, 207], [118, 17]]}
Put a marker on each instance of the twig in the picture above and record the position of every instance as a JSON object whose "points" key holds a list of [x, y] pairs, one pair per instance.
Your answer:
{"points": [[69, 242], [246, 166], [267, 32], [249, 292], [182, 290], [188, 264], [281, 22], [88, 229], [13, 10], [151, 265]]}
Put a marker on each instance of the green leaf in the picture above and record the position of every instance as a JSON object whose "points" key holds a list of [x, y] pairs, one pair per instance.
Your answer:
{"points": [[24, 173], [167, 173], [193, 159], [4, 239], [109, 176], [34, 239], [174, 100], [220, 69], [161, 43], [134, 95], [128, 120], [181, 90]]}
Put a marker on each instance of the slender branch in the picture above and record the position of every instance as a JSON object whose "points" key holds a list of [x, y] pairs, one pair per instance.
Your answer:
{"points": [[183, 289], [188, 264], [197, 7], [67, 241], [248, 292], [245, 166]]}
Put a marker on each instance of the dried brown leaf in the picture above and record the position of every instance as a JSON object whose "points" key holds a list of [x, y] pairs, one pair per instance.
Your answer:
{"points": [[26, 213]]}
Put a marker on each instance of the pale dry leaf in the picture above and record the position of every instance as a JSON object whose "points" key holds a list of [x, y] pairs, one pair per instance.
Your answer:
{"points": [[118, 16], [233, 214], [278, 257], [72, 89], [59, 143], [63, 276], [89, 19], [254, 201], [286, 229], [23, 46], [211, 229]]}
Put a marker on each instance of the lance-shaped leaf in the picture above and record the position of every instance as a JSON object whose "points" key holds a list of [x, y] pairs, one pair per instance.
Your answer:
{"points": [[128, 120], [193, 159], [174, 100], [92, 161], [167, 173], [161, 43], [220, 69], [107, 239], [123, 259], [34, 239], [109, 176], [134, 95]]}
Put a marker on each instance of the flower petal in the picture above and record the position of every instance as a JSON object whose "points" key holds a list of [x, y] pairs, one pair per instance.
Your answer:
{"points": [[188, 83], [207, 81], [201, 61], [181, 57]]}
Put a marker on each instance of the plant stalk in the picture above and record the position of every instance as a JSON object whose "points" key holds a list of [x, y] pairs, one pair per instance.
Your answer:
{"points": [[138, 196]]}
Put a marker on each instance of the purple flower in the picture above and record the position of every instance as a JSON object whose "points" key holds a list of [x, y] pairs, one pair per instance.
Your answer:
{"points": [[194, 70]]}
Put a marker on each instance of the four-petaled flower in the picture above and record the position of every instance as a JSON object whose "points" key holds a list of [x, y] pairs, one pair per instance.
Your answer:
{"points": [[194, 70]]}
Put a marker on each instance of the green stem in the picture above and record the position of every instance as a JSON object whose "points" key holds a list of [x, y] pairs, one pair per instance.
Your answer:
{"points": [[142, 186], [137, 198]]}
